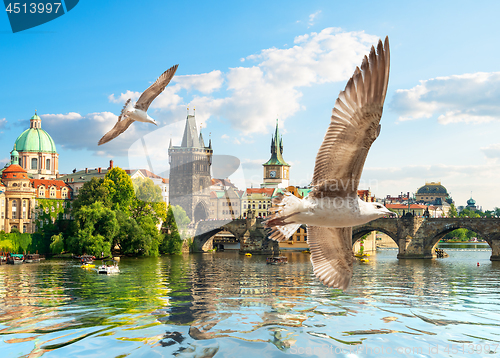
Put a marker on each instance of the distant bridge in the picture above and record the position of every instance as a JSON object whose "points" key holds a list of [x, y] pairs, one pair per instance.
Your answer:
{"points": [[249, 232], [416, 237]]}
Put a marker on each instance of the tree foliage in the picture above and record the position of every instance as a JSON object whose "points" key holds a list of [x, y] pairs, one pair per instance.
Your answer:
{"points": [[172, 241], [96, 225], [109, 215], [452, 213], [57, 244]]}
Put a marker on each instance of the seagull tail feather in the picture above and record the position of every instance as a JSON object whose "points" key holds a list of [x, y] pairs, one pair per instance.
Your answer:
{"points": [[284, 206]]}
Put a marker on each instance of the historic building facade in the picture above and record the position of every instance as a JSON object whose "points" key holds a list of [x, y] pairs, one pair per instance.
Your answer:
{"points": [[22, 199], [257, 200], [36, 151], [276, 170], [18, 200], [190, 179]]}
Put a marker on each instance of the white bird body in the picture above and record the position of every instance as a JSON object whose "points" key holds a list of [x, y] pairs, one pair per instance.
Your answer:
{"points": [[138, 112], [329, 212], [332, 208], [140, 115]]}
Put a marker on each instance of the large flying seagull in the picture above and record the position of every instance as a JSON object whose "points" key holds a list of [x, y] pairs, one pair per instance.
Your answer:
{"points": [[130, 114], [333, 206]]}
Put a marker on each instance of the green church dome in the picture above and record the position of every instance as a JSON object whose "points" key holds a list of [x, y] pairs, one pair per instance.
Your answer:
{"points": [[35, 139]]}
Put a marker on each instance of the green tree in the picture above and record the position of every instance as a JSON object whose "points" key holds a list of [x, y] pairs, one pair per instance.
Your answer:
{"points": [[96, 225], [181, 219], [149, 201], [92, 191], [468, 213], [57, 244], [137, 236], [120, 188], [172, 241], [452, 213]]}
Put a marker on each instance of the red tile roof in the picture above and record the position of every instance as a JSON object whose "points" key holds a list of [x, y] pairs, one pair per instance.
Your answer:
{"points": [[268, 191], [48, 183], [14, 171]]}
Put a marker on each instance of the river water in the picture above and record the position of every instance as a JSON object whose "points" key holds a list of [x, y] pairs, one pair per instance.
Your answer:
{"points": [[228, 305]]}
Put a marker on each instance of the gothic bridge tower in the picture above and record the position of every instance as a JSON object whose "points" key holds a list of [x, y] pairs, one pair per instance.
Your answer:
{"points": [[190, 178]]}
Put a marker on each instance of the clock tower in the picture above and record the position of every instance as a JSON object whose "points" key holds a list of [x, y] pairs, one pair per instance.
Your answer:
{"points": [[276, 170]]}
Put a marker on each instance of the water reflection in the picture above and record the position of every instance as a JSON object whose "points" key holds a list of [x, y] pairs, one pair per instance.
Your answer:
{"points": [[226, 304]]}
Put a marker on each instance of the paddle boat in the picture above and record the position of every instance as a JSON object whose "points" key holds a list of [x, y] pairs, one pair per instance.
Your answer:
{"points": [[15, 259], [108, 267]]}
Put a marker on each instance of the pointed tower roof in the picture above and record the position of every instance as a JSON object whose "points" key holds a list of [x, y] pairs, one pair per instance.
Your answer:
{"points": [[202, 142], [276, 149], [190, 138]]}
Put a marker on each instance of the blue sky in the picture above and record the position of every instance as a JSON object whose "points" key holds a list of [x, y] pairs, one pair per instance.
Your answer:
{"points": [[244, 64]]}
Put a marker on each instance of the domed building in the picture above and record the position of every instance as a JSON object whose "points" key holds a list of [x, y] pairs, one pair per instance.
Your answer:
{"points": [[35, 151], [432, 192]]}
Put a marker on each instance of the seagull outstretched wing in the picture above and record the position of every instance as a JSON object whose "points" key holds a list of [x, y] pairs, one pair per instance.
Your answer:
{"points": [[353, 128], [120, 127], [155, 89], [331, 254]]}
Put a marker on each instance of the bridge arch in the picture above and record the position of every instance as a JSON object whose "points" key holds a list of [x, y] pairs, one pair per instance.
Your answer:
{"points": [[359, 232], [434, 239], [207, 231]]}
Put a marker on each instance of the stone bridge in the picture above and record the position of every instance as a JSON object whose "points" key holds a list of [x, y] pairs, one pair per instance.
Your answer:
{"points": [[416, 237], [249, 232]]}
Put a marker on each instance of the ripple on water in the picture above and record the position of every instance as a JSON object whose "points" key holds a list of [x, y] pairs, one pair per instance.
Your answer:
{"points": [[225, 305]]}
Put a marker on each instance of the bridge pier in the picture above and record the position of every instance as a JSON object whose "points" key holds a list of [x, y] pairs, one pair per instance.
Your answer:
{"points": [[495, 250]]}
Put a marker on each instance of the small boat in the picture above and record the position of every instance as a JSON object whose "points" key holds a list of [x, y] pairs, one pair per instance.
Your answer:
{"points": [[108, 267], [364, 260], [30, 258], [277, 260], [248, 254], [306, 251], [88, 265], [15, 259], [361, 255]]}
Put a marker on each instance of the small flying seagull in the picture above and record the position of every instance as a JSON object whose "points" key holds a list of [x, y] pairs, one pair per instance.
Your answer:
{"points": [[333, 207], [130, 114]]}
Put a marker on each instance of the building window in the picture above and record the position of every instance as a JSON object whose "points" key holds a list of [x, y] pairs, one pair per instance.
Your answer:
{"points": [[41, 191], [34, 163], [53, 192], [47, 164]]}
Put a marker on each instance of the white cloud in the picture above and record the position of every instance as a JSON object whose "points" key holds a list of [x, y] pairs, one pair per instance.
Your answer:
{"points": [[74, 131], [123, 97], [3, 123], [468, 98], [492, 151], [312, 17]]}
